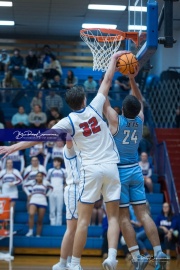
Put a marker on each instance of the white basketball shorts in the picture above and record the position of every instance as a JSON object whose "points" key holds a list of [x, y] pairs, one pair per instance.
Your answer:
{"points": [[99, 179], [71, 200]]}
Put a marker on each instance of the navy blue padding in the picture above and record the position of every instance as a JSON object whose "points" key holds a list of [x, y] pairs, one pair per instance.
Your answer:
{"points": [[156, 209], [155, 198], [156, 188], [154, 178]]}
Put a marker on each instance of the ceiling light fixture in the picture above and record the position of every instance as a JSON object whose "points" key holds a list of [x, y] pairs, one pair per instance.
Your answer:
{"points": [[5, 4], [137, 27], [107, 7], [94, 25], [135, 8], [10, 23]]}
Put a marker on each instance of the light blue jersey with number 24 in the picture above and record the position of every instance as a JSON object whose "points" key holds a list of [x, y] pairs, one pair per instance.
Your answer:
{"points": [[127, 139]]}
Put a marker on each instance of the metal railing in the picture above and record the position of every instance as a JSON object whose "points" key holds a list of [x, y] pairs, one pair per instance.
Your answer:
{"points": [[164, 170]]}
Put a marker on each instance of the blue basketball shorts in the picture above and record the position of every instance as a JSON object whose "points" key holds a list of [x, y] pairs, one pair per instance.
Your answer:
{"points": [[132, 186]]}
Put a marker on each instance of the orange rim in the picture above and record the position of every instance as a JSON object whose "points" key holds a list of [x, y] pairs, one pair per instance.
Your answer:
{"points": [[120, 35]]}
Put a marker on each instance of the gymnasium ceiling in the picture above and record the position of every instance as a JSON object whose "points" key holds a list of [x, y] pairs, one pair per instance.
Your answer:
{"points": [[60, 18]]}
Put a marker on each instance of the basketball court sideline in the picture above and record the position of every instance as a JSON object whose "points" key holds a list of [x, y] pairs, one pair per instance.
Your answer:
{"points": [[88, 263]]}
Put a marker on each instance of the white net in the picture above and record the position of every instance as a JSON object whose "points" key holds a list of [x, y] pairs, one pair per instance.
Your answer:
{"points": [[101, 50]]}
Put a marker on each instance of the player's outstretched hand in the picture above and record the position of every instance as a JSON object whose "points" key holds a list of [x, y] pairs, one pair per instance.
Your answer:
{"points": [[136, 70], [7, 150], [118, 54]]}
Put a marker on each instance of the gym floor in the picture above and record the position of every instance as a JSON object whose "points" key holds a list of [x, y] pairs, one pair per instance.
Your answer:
{"points": [[88, 263]]}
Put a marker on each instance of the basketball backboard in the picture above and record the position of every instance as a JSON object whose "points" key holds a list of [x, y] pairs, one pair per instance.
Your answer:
{"points": [[143, 17]]}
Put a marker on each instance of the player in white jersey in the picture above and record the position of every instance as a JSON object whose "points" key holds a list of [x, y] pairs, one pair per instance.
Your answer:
{"points": [[38, 202], [31, 171], [98, 156], [127, 131], [56, 176], [9, 179], [71, 201], [17, 159]]}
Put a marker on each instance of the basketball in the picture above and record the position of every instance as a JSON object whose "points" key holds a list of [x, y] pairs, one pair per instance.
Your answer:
{"points": [[126, 63]]}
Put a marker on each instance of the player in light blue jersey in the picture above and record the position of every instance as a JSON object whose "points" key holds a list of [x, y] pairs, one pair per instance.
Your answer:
{"points": [[127, 131]]}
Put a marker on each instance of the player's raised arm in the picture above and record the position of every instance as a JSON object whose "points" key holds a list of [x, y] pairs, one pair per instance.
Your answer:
{"points": [[111, 116], [106, 83], [134, 87]]}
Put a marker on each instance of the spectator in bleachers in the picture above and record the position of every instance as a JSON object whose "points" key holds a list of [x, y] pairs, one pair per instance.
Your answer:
{"points": [[29, 83], [37, 100], [31, 171], [44, 84], [9, 179], [53, 69], [31, 63], [4, 60], [70, 80], [16, 63], [55, 151], [38, 151], [146, 171], [90, 86], [122, 87], [97, 213], [173, 235], [145, 144], [164, 223], [56, 83], [56, 176], [38, 202], [37, 118], [17, 158], [9, 82], [54, 114], [177, 118], [53, 100], [46, 51], [20, 119]]}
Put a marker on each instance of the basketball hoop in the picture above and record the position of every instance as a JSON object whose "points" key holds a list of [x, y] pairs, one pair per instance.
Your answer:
{"points": [[103, 43]]}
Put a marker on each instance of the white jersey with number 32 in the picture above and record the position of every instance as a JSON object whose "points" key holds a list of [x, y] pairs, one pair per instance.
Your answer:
{"points": [[92, 139]]}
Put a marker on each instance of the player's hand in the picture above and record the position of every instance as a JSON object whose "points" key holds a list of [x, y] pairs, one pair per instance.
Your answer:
{"points": [[118, 54], [7, 150], [136, 71]]}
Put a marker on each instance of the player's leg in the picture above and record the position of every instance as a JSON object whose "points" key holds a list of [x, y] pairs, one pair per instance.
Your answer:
{"points": [[89, 192], [126, 227], [41, 213], [52, 209], [137, 198], [84, 218], [13, 202], [59, 207], [70, 199], [32, 212], [111, 194]]}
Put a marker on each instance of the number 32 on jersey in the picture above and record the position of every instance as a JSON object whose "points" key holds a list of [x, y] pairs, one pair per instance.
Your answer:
{"points": [[90, 127], [129, 136]]}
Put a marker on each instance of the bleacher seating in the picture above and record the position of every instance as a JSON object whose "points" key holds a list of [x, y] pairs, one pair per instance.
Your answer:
{"points": [[51, 238]]}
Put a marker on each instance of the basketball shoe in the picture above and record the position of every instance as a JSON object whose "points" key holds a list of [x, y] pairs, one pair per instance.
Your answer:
{"points": [[109, 264], [58, 267], [161, 261], [141, 263]]}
